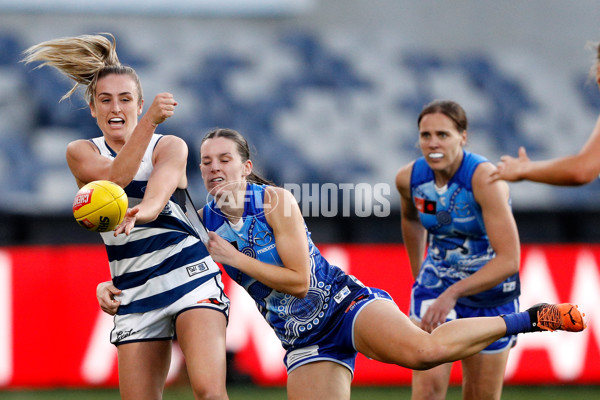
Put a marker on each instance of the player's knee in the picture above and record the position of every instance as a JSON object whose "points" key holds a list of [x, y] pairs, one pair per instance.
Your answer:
{"points": [[210, 392], [428, 394], [426, 357], [429, 390]]}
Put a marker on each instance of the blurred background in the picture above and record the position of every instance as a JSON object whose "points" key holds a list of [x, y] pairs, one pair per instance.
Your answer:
{"points": [[327, 91]]}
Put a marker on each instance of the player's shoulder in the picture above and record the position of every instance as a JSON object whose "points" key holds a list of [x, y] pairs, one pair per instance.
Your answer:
{"points": [[484, 167], [276, 190], [403, 175], [275, 195], [80, 145], [170, 143], [170, 139], [483, 183]]}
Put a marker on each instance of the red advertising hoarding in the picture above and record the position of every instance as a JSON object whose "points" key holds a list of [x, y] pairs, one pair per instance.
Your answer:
{"points": [[52, 332]]}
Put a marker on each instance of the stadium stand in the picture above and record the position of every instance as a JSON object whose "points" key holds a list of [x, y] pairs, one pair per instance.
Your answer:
{"points": [[320, 103]]}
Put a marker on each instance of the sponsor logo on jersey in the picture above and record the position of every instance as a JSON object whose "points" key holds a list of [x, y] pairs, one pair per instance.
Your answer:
{"points": [[260, 251], [425, 206], [356, 301], [197, 269], [263, 238], [124, 334], [341, 295]]}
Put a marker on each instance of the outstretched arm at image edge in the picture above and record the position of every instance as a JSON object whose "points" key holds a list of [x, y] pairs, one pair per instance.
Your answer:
{"points": [[573, 170]]}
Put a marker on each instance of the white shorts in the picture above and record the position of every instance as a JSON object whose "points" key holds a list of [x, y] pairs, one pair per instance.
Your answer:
{"points": [[159, 324]]}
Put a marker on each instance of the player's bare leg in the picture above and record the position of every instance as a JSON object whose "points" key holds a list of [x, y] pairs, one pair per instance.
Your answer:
{"points": [[201, 336], [483, 375], [384, 333], [322, 380], [143, 368], [431, 384]]}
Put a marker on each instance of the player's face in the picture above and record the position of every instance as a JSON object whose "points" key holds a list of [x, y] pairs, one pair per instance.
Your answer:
{"points": [[223, 171], [441, 143], [116, 107]]}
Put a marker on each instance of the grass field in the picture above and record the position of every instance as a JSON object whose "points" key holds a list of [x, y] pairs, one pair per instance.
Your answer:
{"points": [[358, 393]]}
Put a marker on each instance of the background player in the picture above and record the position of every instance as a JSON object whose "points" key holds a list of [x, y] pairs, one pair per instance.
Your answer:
{"points": [[472, 260]]}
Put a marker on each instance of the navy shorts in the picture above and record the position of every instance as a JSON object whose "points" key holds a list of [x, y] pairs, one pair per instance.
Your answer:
{"points": [[421, 299], [337, 345]]}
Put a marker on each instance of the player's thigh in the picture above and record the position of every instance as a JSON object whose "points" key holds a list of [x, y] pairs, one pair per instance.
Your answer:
{"points": [[483, 375], [320, 380], [201, 337], [143, 368], [384, 333]]}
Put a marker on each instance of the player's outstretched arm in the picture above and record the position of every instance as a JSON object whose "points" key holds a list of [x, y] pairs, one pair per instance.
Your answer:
{"points": [[574, 170]]}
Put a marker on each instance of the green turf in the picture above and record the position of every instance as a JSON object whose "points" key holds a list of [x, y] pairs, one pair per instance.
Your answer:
{"points": [[358, 393]]}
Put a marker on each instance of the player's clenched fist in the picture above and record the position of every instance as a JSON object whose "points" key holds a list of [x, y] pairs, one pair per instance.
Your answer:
{"points": [[161, 108]]}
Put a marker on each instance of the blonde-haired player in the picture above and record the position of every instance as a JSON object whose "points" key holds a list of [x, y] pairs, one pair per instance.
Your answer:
{"points": [[167, 282]]}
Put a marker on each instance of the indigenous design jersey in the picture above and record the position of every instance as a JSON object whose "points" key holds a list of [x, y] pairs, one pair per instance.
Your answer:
{"points": [[458, 241], [296, 321], [160, 261]]}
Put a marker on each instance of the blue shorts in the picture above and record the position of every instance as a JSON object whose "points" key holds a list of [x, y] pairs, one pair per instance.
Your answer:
{"points": [[421, 299], [337, 345]]}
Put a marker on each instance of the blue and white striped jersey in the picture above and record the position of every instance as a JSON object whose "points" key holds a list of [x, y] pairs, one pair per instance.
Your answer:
{"points": [[160, 261]]}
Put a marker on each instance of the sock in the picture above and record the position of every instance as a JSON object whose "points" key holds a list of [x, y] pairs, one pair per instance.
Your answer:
{"points": [[518, 323]]}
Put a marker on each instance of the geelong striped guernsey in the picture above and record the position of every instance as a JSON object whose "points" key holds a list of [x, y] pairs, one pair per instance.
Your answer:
{"points": [[160, 261]]}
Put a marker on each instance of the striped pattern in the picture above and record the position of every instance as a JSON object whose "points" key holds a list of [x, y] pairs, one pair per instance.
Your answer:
{"points": [[161, 261]]}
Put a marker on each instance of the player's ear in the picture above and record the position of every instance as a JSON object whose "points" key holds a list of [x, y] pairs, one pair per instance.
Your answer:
{"points": [[92, 109], [247, 168], [141, 107]]}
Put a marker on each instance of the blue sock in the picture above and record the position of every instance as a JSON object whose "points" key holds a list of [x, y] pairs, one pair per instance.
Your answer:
{"points": [[517, 323]]}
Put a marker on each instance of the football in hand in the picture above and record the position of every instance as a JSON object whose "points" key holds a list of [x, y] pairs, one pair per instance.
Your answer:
{"points": [[100, 206]]}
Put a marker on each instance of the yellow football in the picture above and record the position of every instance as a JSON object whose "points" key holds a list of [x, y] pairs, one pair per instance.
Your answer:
{"points": [[100, 206]]}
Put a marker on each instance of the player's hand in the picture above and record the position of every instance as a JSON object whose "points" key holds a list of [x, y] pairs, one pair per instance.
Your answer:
{"points": [[128, 222], [221, 250], [438, 311], [510, 168], [161, 108], [105, 293]]}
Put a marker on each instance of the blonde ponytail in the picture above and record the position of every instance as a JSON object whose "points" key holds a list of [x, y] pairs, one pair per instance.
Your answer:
{"points": [[82, 58]]}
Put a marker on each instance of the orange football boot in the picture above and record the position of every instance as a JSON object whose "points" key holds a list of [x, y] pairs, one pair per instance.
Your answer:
{"points": [[557, 317]]}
